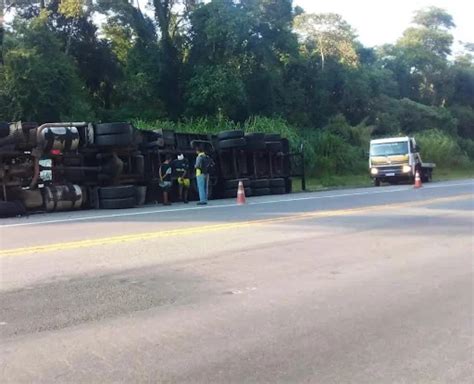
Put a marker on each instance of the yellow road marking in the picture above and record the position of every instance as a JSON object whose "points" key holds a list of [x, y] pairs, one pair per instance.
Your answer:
{"points": [[213, 228]]}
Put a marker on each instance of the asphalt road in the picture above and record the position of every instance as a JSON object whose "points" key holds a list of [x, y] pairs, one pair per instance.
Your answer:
{"points": [[351, 286]]}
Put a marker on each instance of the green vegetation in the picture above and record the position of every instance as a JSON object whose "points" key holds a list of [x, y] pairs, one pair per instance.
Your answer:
{"points": [[260, 65]]}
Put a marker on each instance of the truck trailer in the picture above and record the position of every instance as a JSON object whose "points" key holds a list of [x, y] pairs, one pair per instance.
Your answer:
{"points": [[84, 165]]}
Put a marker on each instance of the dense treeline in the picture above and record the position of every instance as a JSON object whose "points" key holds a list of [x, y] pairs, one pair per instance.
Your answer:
{"points": [[206, 65]]}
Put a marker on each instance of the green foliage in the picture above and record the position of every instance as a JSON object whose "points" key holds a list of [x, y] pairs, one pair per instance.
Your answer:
{"points": [[442, 149]]}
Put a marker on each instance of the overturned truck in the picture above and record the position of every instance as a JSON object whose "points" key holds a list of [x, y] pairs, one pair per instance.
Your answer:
{"points": [[81, 165]]}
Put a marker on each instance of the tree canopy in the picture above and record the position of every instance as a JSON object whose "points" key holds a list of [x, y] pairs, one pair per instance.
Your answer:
{"points": [[182, 59]]}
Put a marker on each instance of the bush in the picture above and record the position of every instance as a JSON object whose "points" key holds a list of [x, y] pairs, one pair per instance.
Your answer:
{"points": [[442, 149]]}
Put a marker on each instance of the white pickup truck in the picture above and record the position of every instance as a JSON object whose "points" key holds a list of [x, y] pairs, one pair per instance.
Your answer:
{"points": [[397, 159]]}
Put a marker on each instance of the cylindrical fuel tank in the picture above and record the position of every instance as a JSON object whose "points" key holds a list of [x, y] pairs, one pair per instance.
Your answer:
{"points": [[61, 138], [63, 197]]}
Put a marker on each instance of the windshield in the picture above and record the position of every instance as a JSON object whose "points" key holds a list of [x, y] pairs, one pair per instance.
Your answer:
{"points": [[389, 149]]}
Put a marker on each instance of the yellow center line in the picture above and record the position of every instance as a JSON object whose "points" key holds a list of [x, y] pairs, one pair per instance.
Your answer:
{"points": [[213, 228]]}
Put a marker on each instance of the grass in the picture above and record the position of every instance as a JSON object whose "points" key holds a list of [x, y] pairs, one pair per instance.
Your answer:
{"points": [[364, 180]]}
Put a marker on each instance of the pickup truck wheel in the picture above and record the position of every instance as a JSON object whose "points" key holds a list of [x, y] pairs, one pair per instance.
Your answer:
{"points": [[233, 134], [377, 182], [112, 128], [117, 192], [128, 202]]}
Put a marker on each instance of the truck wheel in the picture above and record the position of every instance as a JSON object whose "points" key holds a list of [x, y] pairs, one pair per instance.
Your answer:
{"points": [[377, 182], [277, 183], [233, 134], [274, 146], [11, 209], [233, 184], [128, 202], [118, 140], [117, 192], [278, 190], [4, 129], [261, 191], [261, 183], [232, 143], [112, 128], [272, 137]]}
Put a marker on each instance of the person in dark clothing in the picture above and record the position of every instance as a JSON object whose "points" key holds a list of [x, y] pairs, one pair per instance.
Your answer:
{"points": [[181, 169], [165, 179]]}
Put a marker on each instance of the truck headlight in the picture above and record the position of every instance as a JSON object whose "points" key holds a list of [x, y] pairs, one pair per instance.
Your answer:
{"points": [[374, 171], [406, 169]]}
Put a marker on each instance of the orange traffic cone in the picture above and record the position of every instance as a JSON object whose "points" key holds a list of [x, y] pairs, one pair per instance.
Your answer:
{"points": [[241, 194], [418, 183]]}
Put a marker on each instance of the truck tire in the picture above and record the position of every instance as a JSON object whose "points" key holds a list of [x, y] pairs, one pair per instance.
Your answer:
{"points": [[289, 185], [376, 182], [260, 183], [232, 143], [4, 129], [274, 146], [278, 190], [117, 192], [234, 184], [112, 128], [277, 183], [119, 140], [11, 209], [233, 134], [272, 137], [256, 145], [261, 191], [128, 202]]}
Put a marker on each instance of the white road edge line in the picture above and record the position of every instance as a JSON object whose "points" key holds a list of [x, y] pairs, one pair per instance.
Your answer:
{"points": [[127, 214]]}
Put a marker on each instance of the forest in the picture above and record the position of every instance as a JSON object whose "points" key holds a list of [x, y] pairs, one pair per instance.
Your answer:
{"points": [[260, 65]]}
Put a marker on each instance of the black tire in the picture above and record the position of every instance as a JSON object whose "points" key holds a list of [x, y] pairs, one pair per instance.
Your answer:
{"points": [[120, 140], [234, 134], [261, 183], [376, 182], [233, 184], [289, 185], [117, 192], [128, 202], [113, 128], [274, 146], [4, 129], [232, 193], [255, 145], [272, 137], [11, 209], [278, 190], [277, 183], [232, 143], [255, 136], [261, 191]]}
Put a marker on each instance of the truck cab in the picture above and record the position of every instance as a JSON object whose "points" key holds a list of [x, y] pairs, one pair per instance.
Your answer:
{"points": [[397, 159]]}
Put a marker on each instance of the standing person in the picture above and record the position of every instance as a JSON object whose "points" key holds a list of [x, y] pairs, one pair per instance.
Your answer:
{"points": [[181, 167], [165, 179], [201, 166]]}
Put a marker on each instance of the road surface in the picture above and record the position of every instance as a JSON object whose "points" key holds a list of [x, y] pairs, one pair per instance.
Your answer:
{"points": [[351, 286]]}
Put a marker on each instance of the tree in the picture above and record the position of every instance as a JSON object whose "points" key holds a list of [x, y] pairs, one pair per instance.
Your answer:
{"points": [[425, 49], [328, 35]]}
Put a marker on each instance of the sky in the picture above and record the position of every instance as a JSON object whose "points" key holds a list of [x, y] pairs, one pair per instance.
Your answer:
{"points": [[379, 21]]}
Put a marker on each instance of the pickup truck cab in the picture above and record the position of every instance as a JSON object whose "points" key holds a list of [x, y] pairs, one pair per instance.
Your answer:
{"points": [[397, 159]]}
